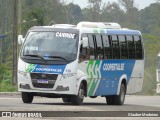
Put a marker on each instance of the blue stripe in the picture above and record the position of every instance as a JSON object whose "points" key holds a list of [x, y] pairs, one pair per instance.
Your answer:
{"points": [[54, 69], [111, 71], [124, 32]]}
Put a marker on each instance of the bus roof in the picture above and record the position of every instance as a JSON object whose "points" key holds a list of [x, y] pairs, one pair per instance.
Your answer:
{"points": [[103, 25], [101, 28], [110, 31], [53, 28], [104, 28]]}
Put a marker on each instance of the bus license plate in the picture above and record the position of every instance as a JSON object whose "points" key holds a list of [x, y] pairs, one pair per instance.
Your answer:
{"points": [[42, 81]]}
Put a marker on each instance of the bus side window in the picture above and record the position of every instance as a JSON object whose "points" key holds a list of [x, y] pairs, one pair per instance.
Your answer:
{"points": [[107, 47], [138, 47], [99, 47], [131, 47], [92, 47], [123, 47], [115, 46], [84, 53]]}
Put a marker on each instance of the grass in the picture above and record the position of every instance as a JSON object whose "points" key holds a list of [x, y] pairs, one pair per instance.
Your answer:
{"points": [[6, 86], [6, 79]]}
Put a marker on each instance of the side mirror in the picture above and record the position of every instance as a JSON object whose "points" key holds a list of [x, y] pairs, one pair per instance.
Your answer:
{"points": [[20, 39], [85, 41]]}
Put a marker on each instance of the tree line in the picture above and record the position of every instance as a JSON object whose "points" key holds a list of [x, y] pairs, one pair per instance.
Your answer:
{"points": [[124, 12]]}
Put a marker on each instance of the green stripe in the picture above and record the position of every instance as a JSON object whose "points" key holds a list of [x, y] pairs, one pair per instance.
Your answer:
{"points": [[30, 67], [97, 30], [91, 71], [93, 86]]}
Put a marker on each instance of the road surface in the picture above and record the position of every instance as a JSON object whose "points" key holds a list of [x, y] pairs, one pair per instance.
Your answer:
{"points": [[91, 107]]}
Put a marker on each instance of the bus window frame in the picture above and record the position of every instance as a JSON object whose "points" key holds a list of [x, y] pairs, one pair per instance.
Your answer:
{"points": [[109, 36], [96, 44]]}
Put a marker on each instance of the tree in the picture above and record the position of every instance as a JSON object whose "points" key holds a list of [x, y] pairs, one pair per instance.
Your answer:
{"points": [[151, 46], [158, 1], [132, 13], [33, 18], [95, 9], [6, 25], [55, 11], [127, 4], [112, 12], [74, 13], [150, 19]]}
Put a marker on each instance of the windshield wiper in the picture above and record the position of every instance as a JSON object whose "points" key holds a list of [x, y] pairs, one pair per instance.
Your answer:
{"points": [[58, 57], [35, 56]]}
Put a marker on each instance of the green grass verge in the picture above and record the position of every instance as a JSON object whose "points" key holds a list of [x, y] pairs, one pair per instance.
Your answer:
{"points": [[6, 86]]}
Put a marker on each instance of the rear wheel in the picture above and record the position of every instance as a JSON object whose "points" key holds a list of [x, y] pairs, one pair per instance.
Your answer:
{"points": [[78, 99], [117, 99], [27, 97], [110, 100]]}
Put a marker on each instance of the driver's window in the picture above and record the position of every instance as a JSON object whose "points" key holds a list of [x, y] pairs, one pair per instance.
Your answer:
{"points": [[83, 52]]}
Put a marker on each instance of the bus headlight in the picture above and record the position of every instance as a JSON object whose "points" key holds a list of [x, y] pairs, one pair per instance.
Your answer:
{"points": [[65, 76], [24, 74]]}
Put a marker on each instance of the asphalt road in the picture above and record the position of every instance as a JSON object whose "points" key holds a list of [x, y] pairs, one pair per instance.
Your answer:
{"points": [[132, 105]]}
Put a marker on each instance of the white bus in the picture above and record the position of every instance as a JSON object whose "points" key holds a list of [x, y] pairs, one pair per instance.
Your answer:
{"points": [[158, 74], [72, 62]]}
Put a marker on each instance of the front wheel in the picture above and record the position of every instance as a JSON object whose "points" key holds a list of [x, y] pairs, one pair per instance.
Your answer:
{"points": [[66, 100], [27, 97], [78, 99]]}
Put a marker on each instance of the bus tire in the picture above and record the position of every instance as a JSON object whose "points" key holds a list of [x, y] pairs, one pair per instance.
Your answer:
{"points": [[110, 100], [66, 100], [27, 97], [78, 99], [119, 99]]}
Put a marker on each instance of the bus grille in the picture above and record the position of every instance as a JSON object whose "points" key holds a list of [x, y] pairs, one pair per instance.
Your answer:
{"points": [[40, 85], [40, 80]]}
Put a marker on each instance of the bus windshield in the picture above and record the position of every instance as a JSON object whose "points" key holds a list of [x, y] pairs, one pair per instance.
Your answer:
{"points": [[50, 46]]}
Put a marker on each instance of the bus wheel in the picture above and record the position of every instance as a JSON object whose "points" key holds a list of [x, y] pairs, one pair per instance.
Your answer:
{"points": [[78, 99], [27, 97], [66, 100], [110, 100], [119, 99]]}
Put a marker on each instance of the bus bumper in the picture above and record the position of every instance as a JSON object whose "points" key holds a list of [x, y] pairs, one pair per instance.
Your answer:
{"points": [[60, 89]]}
